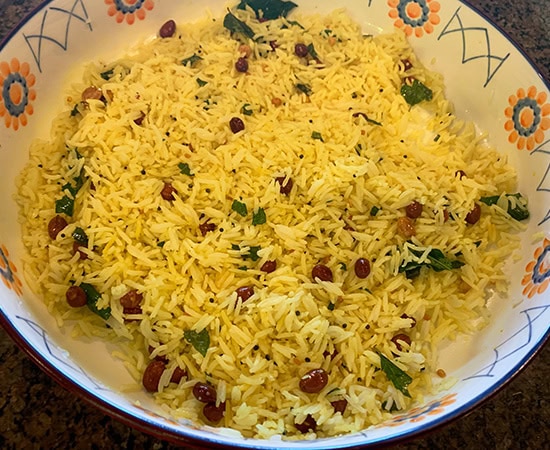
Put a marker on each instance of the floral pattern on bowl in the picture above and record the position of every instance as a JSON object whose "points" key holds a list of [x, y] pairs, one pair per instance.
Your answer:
{"points": [[129, 10], [8, 272], [18, 94], [415, 17]]}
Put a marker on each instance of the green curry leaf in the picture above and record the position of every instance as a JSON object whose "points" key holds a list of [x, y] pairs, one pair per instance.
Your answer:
{"points": [[92, 297], [65, 205], [416, 92], [107, 74], [253, 253], [317, 136], [80, 236], [436, 261], [200, 341], [313, 53], [185, 169], [294, 23], [268, 9], [75, 110], [235, 25], [398, 377], [239, 208], [191, 60], [259, 217], [518, 212], [246, 110], [304, 88]]}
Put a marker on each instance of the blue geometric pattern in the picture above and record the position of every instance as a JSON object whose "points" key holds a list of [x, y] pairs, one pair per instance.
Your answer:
{"points": [[54, 351], [414, 21], [50, 28], [6, 273], [516, 342], [455, 25], [540, 272], [15, 109], [128, 8], [544, 185], [531, 104]]}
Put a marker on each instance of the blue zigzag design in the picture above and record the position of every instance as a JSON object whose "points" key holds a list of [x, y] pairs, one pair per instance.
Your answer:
{"points": [[38, 39], [524, 334], [52, 350], [460, 28], [539, 149], [544, 185]]}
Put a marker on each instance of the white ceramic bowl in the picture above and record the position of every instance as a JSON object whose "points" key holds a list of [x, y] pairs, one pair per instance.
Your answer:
{"points": [[487, 78]]}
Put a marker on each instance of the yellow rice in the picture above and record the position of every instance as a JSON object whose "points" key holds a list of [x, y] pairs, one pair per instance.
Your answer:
{"points": [[259, 349]]}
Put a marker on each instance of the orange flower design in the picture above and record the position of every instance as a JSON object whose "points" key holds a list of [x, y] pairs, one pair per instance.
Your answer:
{"points": [[129, 10], [527, 118], [537, 276], [8, 272], [415, 16], [420, 413], [16, 82]]}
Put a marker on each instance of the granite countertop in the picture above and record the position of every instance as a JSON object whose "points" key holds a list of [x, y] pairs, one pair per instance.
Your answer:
{"points": [[37, 413]]}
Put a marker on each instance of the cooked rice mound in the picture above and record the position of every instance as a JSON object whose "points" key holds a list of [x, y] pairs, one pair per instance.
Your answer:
{"points": [[357, 155]]}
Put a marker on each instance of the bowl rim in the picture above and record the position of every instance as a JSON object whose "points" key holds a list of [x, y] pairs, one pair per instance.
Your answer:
{"points": [[158, 431]]}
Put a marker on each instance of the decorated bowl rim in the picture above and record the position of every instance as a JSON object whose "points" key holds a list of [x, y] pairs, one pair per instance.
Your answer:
{"points": [[157, 430]]}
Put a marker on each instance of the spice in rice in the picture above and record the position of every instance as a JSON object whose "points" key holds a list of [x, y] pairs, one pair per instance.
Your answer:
{"points": [[268, 218]]}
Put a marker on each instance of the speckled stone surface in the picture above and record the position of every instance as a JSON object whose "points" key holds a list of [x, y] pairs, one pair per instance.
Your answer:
{"points": [[36, 413]]}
